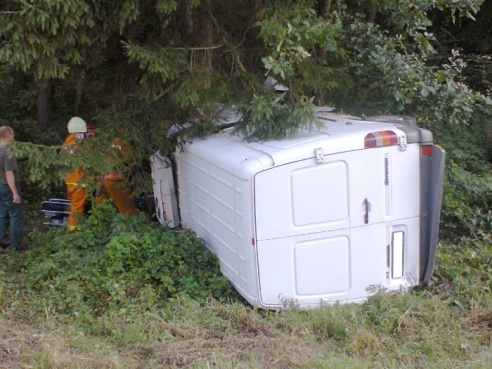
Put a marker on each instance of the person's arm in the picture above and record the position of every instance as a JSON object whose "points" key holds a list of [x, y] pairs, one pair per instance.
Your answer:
{"points": [[9, 174]]}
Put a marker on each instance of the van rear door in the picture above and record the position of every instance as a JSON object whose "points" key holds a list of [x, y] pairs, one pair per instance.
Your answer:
{"points": [[333, 217]]}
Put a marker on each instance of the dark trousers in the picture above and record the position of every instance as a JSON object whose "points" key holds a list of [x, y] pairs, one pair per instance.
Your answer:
{"points": [[10, 211]]}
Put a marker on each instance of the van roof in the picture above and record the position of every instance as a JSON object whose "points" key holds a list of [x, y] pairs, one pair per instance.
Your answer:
{"points": [[337, 133]]}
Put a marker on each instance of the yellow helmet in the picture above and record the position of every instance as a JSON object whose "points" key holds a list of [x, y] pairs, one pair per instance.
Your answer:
{"points": [[77, 125]]}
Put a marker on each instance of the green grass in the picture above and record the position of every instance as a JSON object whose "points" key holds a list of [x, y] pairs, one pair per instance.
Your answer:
{"points": [[419, 329], [67, 303]]}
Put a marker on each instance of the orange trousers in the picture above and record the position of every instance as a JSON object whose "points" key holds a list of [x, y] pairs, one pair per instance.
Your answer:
{"points": [[114, 189], [77, 197]]}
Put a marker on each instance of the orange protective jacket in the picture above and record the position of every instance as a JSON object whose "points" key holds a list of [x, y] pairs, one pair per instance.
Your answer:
{"points": [[112, 186], [77, 195], [73, 177], [123, 150]]}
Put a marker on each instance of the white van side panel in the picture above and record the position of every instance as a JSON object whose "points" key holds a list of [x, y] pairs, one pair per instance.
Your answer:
{"points": [[218, 207], [194, 195]]}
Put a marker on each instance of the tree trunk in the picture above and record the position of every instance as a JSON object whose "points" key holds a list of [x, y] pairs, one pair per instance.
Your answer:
{"points": [[78, 90], [79, 87], [324, 8], [371, 13], [204, 37], [44, 103]]}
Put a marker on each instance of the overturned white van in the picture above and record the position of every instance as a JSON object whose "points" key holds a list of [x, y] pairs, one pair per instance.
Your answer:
{"points": [[317, 218]]}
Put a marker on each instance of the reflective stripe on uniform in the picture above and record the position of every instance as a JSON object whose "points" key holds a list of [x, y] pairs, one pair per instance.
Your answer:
{"points": [[75, 184]]}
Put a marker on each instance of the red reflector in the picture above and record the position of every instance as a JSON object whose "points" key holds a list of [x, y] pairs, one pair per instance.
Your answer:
{"points": [[427, 150], [380, 138], [253, 241]]}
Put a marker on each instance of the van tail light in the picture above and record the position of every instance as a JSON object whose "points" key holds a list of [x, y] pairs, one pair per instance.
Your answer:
{"points": [[427, 150], [380, 138], [397, 250]]}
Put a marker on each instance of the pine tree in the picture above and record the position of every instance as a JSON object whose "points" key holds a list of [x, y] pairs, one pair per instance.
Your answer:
{"points": [[145, 65]]}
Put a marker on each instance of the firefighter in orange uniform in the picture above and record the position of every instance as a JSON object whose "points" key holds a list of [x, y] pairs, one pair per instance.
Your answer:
{"points": [[76, 191], [113, 183]]}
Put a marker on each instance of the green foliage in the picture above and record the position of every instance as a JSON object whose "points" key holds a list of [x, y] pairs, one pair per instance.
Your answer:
{"points": [[46, 37], [116, 262], [286, 119], [129, 12], [402, 76], [158, 71], [158, 66], [292, 33], [44, 165], [381, 60], [464, 271], [148, 65], [467, 189], [463, 262]]}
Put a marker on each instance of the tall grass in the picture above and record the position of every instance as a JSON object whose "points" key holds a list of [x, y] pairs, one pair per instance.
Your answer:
{"points": [[418, 329]]}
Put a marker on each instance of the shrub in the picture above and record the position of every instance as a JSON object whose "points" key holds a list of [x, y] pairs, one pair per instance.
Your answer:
{"points": [[115, 262]]}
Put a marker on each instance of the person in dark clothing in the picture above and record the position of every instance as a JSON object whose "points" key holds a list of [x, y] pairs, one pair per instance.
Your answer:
{"points": [[11, 209]]}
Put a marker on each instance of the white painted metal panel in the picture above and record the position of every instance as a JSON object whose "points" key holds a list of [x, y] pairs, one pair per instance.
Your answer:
{"points": [[389, 179], [410, 254], [219, 207], [302, 197], [193, 186], [319, 194], [335, 267], [222, 220], [322, 266], [404, 182], [286, 272]]}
